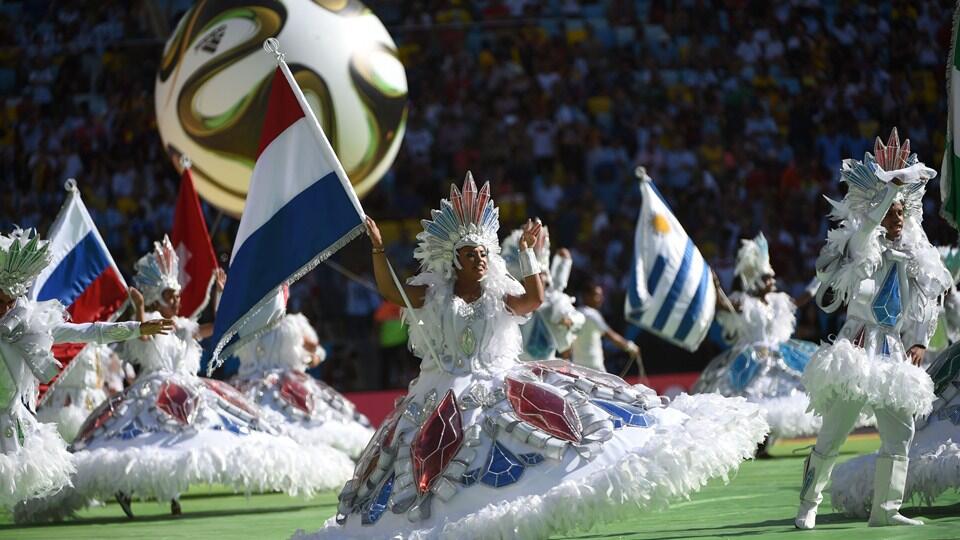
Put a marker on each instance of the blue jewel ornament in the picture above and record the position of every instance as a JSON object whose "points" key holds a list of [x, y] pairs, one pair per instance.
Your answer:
{"points": [[624, 414], [502, 467], [379, 505], [887, 305]]}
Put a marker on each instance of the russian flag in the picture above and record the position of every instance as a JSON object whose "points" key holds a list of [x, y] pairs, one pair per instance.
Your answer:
{"points": [[670, 292], [300, 209], [82, 274]]}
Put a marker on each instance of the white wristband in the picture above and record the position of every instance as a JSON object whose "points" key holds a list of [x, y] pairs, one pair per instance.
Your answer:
{"points": [[529, 265]]}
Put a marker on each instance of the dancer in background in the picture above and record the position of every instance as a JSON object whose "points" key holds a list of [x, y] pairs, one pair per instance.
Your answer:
{"points": [[764, 364], [273, 375], [34, 461], [80, 388], [172, 429], [880, 264], [587, 349], [484, 445], [553, 327]]}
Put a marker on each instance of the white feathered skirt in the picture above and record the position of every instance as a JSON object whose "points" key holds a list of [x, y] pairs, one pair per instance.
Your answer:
{"points": [[34, 461], [867, 363], [770, 377], [307, 410], [170, 430], [537, 449], [934, 454]]}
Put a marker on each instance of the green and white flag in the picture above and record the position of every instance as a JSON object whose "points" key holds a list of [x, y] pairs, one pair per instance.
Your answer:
{"points": [[950, 171]]}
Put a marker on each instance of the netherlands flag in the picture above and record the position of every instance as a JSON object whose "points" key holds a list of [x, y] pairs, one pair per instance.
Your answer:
{"points": [[670, 292], [300, 209], [82, 274]]}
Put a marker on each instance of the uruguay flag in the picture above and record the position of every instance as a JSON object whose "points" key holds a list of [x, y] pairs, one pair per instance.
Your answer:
{"points": [[671, 292], [300, 209], [82, 274]]}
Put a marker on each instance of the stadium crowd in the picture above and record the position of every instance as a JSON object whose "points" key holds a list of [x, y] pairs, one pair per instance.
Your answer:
{"points": [[740, 110]]}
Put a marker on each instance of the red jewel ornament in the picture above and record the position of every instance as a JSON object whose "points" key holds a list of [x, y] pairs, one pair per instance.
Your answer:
{"points": [[99, 417], [177, 401], [545, 408], [371, 454], [230, 395], [295, 390], [437, 443]]}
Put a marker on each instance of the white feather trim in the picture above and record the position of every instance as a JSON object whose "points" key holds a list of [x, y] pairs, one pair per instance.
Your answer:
{"points": [[930, 474], [40, 467], [721, 433], [788, 416], [257, 463], [69, 421], [348, 437], [842, 371]]}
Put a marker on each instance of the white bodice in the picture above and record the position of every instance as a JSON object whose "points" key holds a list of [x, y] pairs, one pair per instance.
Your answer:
{"points": [[177, 352], [280, 348], [480, 337], [768, 322]]}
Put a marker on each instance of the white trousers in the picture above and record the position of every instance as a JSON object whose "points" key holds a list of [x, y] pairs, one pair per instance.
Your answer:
{"points": [[896, 429]]}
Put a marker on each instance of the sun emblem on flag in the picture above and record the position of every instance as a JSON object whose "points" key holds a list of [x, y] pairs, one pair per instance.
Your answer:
{"points": [[660, 224]]}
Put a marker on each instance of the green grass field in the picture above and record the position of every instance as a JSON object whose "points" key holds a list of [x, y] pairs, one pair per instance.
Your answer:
{"points": [[758, 503]]}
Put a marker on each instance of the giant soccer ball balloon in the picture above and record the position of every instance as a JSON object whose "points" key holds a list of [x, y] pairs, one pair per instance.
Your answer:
{"points": [[214, 81]]}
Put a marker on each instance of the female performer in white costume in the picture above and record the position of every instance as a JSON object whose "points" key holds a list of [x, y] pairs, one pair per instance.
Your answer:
{"points": [[484, 446], [273, 375], [553, 327], [172, 429], [763, 365], [880, 263], [34, 461]]}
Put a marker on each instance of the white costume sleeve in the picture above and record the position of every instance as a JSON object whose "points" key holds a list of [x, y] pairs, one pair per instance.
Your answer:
{"points": [[851, 255], [560, 272], [97, 332]]}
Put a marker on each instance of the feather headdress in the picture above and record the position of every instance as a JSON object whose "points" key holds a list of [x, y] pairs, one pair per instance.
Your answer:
{"points": [[22, 257], [467, 218], [753, 262], [866, 180], [157, 271]]}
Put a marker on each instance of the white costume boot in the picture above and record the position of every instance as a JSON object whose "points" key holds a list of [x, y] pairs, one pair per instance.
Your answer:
{"points": [[889, 481], [816, 474]]}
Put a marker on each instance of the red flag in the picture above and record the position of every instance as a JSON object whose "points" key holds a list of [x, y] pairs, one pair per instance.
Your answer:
{"points": [[190, 238]]}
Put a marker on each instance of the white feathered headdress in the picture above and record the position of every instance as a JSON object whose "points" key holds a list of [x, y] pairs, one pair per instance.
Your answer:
{"points": [[753, 262], [22, 257], [157, 271], [468, 218], [866, 180], [867, 183]]}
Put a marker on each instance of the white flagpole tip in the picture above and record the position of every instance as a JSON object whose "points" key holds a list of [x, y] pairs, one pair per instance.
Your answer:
{"points": [[641, 173], [272, 45], [70, 184], [185, 162]]}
